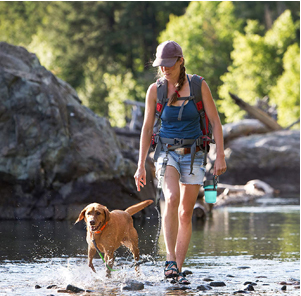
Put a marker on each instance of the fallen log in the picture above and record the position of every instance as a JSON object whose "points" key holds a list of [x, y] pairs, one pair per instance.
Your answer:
{"points": [[232, 195], [236, 194], [257, 113], [243, 128]]}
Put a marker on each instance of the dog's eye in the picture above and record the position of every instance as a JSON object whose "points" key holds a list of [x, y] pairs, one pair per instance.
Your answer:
{"points": [[97, 213], [89, 213]]}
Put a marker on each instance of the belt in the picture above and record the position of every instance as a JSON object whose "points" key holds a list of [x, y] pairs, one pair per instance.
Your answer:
{"points": [[183, 151]]}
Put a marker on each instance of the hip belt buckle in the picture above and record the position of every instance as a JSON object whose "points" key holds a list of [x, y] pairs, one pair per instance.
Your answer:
{"points": [[181, 151]]}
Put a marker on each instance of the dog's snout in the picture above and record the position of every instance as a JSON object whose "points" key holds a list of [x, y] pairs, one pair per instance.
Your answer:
{"points": [[92, 222]]}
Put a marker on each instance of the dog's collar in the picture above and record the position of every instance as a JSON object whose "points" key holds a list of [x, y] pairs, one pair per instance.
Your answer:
{"points": [[101, 229]]}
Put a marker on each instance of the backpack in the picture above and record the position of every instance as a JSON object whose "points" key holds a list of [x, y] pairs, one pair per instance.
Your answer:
{"points": [[196, 95]]}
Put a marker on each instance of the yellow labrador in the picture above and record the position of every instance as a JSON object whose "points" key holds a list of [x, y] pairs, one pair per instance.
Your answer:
{"points": [[109, 230]]}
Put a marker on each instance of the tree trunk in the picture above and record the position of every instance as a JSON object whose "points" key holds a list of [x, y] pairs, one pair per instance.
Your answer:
{"points": [[257, 113]]}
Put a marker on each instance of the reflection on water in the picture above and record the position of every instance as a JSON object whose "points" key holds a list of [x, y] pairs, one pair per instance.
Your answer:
{"points": [[249, 231], [261, 236]]}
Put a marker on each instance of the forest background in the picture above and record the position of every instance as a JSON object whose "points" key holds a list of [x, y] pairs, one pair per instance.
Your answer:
{"points": [[105, 49]]}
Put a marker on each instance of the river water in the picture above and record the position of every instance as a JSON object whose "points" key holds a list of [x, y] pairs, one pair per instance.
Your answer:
{"points": [[258, 243]]}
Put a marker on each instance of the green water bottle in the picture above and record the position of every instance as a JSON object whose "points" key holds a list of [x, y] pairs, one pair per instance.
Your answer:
{"points": [[210, 187]]}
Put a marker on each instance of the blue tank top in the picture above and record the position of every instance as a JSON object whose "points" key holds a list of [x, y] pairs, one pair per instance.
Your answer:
{"points": [[186, 128]]}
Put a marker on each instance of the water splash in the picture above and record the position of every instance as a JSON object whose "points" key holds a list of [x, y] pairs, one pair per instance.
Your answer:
{"points": [[155, 250]]}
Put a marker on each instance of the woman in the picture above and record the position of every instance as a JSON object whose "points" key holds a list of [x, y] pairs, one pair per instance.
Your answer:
{"points": [[180, 187]]}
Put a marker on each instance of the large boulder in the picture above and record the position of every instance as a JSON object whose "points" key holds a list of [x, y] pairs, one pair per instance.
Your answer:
{"points": [[273, 157], [56, 155]]}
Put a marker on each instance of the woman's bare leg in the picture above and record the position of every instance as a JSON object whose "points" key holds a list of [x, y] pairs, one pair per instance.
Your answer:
{"points": [[171, 191], [189, 194]]}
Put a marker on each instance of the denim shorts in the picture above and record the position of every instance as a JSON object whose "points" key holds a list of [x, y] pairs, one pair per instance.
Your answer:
{"points": [[182, 165]]}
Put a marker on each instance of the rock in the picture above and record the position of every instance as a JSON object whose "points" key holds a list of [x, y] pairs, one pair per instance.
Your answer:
{"points": [[217, 284], [250, 288], [133, 286], [204, 287], [56, 155], [187, 272], [74, 289], [250, 283], [37, 287], [207, 280], [243, 267], [240, 292], [178, 288], [52, 287], [283, 288], [272, 157]]}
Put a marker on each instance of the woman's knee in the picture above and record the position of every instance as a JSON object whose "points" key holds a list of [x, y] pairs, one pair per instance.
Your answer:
{"points": [[185, 216], [172, 200]]}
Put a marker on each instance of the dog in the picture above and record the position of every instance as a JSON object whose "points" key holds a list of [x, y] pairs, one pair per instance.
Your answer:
{"points": [[110, 230]]}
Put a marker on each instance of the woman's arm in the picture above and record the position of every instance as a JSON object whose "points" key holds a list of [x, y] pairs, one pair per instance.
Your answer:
{"points": [[146, 134], [220, 165]]}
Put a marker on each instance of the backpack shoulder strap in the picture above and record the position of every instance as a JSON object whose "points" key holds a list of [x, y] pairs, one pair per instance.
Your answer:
{"points": [[196, 90], [161, 95]]}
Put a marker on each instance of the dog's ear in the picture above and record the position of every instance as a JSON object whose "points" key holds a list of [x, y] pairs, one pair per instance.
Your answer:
{"points": [[107, 214], [81, 215]]}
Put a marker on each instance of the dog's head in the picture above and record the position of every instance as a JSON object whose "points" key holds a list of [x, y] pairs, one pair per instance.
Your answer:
{"points": [[95, 216]]}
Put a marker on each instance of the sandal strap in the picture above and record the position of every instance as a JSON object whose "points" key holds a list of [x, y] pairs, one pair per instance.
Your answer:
{"points": [[183, 279], [169, 267], [168, 263]]}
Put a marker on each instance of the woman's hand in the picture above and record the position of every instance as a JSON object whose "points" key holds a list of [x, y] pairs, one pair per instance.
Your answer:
{"points": [[140, 178], [220, 166]]}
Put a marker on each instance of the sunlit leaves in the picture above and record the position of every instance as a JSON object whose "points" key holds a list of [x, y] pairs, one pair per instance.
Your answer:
{"points": [[286, 93], [257, 67]]}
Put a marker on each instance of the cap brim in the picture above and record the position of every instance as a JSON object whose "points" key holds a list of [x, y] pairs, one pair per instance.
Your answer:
{"points": [[165, 62]]}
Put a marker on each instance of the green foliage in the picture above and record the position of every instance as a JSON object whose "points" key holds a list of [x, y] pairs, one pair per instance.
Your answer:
{"points": [[103, 48], [20, 20], [286, 93], [105, 93], [122, 87], [205, 33], [257, 64], [95, 41]]}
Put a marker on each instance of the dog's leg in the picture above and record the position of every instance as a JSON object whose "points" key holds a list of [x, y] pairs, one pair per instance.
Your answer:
{"points": [[91, 254], [109, 259], [135, 251], [132, 244]]}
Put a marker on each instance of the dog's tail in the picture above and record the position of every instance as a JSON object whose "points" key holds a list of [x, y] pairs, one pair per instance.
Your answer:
{"points": [[138, 207]]}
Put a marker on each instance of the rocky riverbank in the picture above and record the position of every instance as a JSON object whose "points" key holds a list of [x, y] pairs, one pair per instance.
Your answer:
{"points": [[211, 285]]}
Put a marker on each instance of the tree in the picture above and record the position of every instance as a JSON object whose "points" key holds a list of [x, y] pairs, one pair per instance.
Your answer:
{"points": [[93, 39], [286, 93], [257, 64], [19, 21]]}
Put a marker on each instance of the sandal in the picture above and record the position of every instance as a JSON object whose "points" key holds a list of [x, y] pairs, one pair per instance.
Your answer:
{"points": [[182, 280], [169, 267]]}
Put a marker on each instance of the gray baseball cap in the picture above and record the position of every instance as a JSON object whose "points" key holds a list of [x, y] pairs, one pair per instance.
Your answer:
{"points": [[167, 54]]}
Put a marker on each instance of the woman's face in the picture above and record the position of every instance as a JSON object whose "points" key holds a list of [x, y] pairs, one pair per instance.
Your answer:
{"points": [[172, 73]]}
